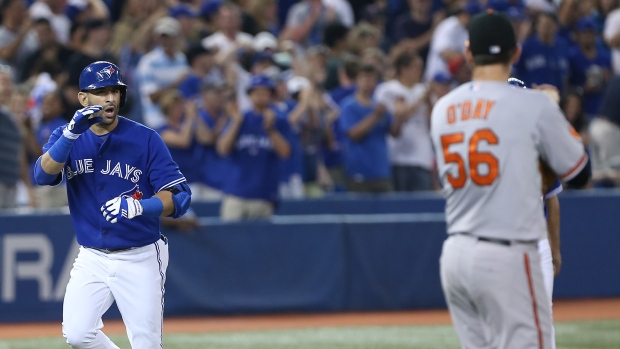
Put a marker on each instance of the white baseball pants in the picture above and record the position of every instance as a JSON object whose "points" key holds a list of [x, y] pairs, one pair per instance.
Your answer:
{"points": [[546, 262], [134, 279]]}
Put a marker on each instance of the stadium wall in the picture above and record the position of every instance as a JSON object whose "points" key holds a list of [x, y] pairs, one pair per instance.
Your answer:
{"points": [[346, 253]]}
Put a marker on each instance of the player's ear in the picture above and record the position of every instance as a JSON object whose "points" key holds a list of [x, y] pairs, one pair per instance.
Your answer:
{"points": [[517, 54], [83, 98], [469, 57]]}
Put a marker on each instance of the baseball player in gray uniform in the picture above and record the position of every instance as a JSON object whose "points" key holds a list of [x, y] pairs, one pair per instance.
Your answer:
{"points": [[488, 138]]}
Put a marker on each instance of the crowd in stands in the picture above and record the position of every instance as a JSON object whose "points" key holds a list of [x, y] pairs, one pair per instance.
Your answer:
{"points": [[260, 100]]}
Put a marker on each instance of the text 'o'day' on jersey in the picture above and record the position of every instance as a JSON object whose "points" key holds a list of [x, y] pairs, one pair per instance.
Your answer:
{"points": [[131, 160], [488, 137]]}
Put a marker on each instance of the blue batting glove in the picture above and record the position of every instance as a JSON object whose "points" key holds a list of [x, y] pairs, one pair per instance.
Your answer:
{"points": [[82, 121], [121, 208]]}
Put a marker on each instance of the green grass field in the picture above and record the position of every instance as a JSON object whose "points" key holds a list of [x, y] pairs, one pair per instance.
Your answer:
{"points": [[570, 335]]}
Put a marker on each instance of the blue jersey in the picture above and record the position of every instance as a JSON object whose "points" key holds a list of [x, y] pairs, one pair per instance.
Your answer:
{"points": [[367, 158], [253, 164], [583, 68], [543, 64], [131, 160], [186, 157], [214, 166]]}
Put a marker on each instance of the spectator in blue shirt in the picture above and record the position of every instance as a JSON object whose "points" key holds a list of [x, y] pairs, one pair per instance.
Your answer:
{"points": [[292, 106], [332, 156], [366, 125], [254, 144], [590, 66], [183, 133], [544, 55], [215, 102]]}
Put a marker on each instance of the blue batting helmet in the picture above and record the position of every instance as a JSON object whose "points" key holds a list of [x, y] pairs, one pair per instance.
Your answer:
{"points": [[516, 82], [102, 74]]}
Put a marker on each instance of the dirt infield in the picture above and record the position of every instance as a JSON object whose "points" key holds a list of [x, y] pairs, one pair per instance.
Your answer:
{"points": [[573, 310]]}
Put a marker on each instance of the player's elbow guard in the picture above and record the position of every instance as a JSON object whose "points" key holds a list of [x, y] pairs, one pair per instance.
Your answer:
{"points": [[43, 178], [582, 178], [182, 198]]}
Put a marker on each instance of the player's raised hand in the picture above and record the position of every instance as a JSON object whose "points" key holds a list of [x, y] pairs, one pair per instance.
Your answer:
{"points": [[82, 120], [119, 208]]}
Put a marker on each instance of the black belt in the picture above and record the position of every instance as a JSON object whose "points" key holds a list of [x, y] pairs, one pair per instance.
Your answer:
{"points": [[114, 250], [496, 241], [503, 242]]}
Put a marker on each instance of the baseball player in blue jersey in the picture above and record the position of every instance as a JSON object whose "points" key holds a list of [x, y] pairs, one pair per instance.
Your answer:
{"points": [[120, 180]]}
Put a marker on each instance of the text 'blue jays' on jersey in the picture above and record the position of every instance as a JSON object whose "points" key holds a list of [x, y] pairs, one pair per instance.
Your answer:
{"points": [[132, 160]]}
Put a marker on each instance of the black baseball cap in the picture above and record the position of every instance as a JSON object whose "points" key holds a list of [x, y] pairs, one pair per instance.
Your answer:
{"points": [[491, 33]]}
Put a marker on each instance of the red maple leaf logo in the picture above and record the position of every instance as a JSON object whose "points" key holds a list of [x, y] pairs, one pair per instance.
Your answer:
{"points": [[137, 195]]}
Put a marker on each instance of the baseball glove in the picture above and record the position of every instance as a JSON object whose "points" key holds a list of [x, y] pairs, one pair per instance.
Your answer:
{"points": [[548, 176]]}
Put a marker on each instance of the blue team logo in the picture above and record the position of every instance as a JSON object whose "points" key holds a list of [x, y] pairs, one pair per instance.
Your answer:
{"points": [[105, 73]]}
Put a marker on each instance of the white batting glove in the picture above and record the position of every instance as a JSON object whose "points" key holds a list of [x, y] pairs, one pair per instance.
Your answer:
{"points": [[120, 208]]}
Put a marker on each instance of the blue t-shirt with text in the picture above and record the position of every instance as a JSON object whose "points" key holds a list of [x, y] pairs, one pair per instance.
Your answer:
{"points": [[583, 68], [543, 64], [253, 164]]}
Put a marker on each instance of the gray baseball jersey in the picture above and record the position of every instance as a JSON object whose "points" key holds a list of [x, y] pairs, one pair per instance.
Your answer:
{"points": [[488, 137]]}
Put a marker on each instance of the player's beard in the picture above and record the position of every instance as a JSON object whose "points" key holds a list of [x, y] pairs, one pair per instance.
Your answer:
{"points": [[105, 121]]}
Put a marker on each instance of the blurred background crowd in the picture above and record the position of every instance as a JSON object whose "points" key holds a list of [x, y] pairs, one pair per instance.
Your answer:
{"points": [[260, 100]]}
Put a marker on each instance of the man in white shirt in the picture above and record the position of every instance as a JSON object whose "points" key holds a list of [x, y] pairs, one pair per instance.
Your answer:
{"points": [[344, 10], [411, 153], [229, 36], [449, 39], [163, 68]]}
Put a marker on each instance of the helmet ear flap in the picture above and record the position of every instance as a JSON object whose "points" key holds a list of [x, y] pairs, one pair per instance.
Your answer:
{"points": [[123, 96]]}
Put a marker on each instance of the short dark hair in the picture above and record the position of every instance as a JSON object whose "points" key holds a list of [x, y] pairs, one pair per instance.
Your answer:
{"points": [[500, 58], [42, 20], [351, 67], [195, 51], [367, 68], [404, 59], [549, 15], [334, 33]]}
